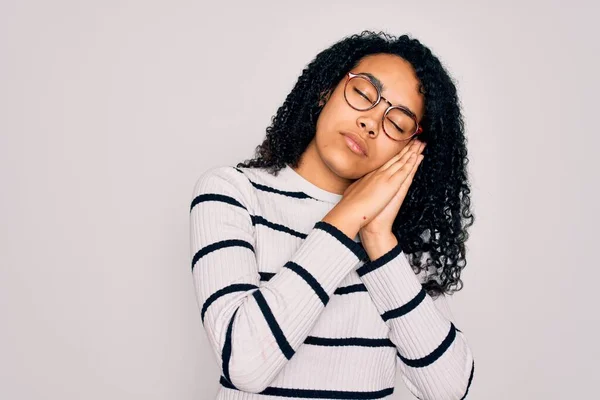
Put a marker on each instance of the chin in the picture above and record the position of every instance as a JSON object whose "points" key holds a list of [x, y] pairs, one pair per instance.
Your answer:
{"points": [[344, 165]]}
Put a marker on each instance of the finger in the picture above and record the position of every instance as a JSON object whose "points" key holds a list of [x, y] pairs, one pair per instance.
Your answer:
{"points": [[404, 162], [406, 149], [405, 185], [416, 146], [396, 157], [420, 146], [409, 179], [403, 167], [409, 146]]}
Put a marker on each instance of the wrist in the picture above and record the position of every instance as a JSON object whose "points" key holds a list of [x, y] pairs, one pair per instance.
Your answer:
{"points": [[378, 244], [343, 223]]}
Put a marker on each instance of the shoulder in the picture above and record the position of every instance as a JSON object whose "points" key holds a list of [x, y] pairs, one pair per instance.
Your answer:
{"points": [[220, 175], [225, 180]]}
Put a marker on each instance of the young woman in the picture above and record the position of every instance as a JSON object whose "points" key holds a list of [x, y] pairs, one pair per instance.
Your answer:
{"points": [[323, 264]]}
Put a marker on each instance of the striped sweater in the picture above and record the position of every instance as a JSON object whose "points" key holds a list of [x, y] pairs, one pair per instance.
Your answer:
{"points": [[293, 308]]}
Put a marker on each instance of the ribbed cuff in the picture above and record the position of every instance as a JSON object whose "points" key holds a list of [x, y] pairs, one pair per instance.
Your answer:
{"points": [[390, 280], [328, 254], [381, 261]]}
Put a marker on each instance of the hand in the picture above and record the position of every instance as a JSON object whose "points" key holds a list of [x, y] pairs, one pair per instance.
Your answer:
{"points": [[368, 196], [382, 223]]}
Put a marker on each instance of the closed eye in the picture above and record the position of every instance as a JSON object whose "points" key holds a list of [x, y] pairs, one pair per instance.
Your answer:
{"points": [[362, 94], [397, 127]]}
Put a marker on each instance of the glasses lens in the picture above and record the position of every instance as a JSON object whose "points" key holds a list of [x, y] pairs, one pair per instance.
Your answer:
{"points": [[360, 93], [398, 124]]}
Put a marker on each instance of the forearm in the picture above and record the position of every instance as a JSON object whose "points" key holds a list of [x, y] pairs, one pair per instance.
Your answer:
{"points": [[428, 343], [376, 245]]}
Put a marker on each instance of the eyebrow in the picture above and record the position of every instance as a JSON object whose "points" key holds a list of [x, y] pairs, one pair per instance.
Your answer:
{"points": [[375, 80], [381, 88]]}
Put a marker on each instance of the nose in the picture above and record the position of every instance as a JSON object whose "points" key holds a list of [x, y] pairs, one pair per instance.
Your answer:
{"points": [[370, 124]]}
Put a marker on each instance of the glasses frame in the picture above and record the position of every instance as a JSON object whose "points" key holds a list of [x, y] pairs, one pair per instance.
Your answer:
{"points": [[418, 129]]}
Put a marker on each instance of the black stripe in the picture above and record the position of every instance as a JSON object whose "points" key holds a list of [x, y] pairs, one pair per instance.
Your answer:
{"points": [[352, 341], [265, 188], [406, 308], [285, 347], [434, 355], [355, 247], [319, 394], [381, 261], [266, 276], [312, 282], [236, 287], [257, 219], [216, 197], [359, 287], [219, 245], [226, 355], [470, 380]]}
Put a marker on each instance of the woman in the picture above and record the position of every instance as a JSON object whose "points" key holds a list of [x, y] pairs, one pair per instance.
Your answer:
{"points": [[323, 263]]}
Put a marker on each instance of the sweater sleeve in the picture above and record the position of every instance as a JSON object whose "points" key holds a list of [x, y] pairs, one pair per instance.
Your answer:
{"points": [[433, 356], [254, 330]]}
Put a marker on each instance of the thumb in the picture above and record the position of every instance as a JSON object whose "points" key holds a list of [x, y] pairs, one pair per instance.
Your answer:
{"points": [[409, 179]]}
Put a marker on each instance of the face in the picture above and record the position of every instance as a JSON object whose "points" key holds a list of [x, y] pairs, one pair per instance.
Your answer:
{"points": [[338, 119]]}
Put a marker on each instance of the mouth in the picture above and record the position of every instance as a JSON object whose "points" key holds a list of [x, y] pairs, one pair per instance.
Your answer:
{"points": [[354, 144]]}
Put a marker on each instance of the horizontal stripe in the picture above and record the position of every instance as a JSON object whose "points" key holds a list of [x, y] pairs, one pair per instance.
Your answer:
{"points": [[312, 282], [265, 188], [434, 355], [285, 347], [379, 262], [406, 308], [470, 380], [219, 245], [359, 287], [319, 394], [355, 247], [257, 219], [352, 341], [226, 354], [236, 287], [215, 197]]}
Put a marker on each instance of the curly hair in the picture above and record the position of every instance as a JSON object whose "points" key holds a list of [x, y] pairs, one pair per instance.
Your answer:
{"points": [[435, 214]]}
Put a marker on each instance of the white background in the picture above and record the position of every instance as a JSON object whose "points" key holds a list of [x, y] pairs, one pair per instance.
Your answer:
{"points": [[105, 124]]}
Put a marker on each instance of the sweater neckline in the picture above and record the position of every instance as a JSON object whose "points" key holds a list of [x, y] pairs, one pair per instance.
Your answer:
{"points": [[302, 184]]}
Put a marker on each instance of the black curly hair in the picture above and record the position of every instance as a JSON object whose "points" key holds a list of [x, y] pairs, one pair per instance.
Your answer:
{"points": [[435, 214]]}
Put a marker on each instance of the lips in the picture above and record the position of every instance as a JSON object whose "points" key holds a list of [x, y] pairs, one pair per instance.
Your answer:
{"points": [[356, 141]]}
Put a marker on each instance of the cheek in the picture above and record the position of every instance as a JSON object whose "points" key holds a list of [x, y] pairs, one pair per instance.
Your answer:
{"points": [[388, 150], [331, 121], [337, 112]]}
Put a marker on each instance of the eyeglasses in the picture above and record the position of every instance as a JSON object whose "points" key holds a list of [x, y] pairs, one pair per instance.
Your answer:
{"points": [[399, 123]]}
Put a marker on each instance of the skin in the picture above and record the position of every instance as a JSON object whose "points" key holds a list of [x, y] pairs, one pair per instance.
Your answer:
{"points": [[328, 162], [331, 165]]}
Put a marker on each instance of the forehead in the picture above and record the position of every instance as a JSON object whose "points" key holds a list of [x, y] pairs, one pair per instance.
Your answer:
{"points": [[400, 84]]}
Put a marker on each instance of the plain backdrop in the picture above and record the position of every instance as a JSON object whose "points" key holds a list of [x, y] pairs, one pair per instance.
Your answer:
{"points": [[110, 110]]}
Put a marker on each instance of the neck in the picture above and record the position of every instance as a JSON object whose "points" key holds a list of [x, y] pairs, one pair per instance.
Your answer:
{"points": [[312, 168]]}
